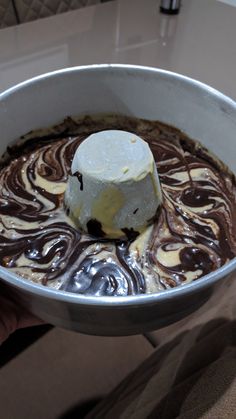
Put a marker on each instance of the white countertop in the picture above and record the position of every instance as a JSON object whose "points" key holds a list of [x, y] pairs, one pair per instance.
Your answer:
{"points": [[200, 42]]}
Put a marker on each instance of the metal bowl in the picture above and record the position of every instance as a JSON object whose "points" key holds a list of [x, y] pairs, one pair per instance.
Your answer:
{"points": [[202, 112]]}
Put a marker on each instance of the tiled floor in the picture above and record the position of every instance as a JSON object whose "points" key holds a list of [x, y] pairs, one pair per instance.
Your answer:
{"points": [[64, 369]]}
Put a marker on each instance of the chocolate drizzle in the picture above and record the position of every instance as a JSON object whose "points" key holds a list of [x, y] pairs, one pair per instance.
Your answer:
{"points": [[80, 179], [95, 228], [194, 233]]}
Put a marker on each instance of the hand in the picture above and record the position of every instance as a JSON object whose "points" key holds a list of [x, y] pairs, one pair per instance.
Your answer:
{"points": [[12, 315]]}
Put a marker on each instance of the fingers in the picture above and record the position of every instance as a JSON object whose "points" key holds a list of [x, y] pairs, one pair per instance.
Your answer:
{"points": [[9, 319], [13, 316], [27, 319]]}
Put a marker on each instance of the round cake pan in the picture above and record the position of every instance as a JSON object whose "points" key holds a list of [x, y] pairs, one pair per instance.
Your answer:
{"points": [[200, 111]]}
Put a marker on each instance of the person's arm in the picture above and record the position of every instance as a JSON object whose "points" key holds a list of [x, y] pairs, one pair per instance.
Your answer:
{"points": [[13, 316]]}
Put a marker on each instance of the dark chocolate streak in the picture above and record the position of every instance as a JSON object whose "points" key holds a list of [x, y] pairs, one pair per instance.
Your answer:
{"points": [[197, 218], [80, 179]]}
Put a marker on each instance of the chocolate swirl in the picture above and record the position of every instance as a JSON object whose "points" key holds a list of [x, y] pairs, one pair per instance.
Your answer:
{"points": [[194, 234]]}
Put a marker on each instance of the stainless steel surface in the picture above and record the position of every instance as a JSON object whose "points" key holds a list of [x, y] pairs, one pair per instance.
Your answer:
{"points": [[199, 110]]}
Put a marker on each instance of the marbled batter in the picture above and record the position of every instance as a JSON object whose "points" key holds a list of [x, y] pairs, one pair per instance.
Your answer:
{"points": [[194, 234]]}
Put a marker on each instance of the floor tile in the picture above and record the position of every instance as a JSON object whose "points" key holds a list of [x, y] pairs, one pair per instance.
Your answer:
{"points": [[63, 369]]}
